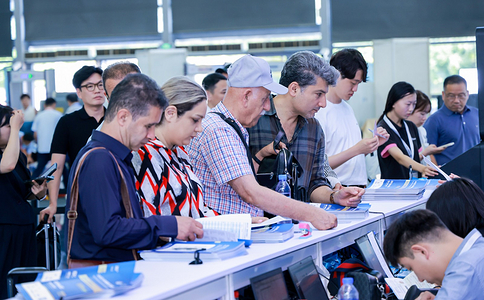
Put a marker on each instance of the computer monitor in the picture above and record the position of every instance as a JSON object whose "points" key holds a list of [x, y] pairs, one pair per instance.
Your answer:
{"points": [[270, 286], [371, 251], [306, 280]]}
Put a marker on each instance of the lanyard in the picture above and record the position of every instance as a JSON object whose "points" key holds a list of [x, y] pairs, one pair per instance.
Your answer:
{"points": [[470, 242], [409, 149]]}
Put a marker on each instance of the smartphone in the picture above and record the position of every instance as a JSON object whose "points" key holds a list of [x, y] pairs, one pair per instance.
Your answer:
{"points": [[47, 175], [447, 145]]}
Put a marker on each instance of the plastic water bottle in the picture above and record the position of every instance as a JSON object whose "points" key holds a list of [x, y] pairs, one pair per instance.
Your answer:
{"points": [[347, 291], [283, 187]]}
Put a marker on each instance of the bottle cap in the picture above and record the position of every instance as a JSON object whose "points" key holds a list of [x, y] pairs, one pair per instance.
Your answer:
{"points": [[282, 177], [348, 280]]}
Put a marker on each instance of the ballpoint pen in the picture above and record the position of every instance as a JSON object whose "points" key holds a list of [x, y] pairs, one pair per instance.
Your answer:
{"points": [[410, 175]]}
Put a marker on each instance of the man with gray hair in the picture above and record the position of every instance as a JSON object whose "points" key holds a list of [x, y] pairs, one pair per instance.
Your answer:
{"points": [[306, 77], [220, 154], [116, 72]]}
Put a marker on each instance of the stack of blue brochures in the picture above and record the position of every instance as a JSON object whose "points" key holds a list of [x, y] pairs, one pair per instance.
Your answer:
{"points": [[395, 189]]}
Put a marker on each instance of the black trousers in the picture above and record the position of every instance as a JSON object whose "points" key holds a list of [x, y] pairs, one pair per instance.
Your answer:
{"points": [[18, 248]]}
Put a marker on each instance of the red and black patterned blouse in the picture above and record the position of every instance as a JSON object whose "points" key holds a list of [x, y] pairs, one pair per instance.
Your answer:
{"points": [[166, 183]]}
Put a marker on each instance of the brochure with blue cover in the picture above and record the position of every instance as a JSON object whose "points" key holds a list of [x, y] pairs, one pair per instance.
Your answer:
{"points": [[395, 189], [346, 212], [275, 233], [184, 251], [400, 186], [101, 281]]}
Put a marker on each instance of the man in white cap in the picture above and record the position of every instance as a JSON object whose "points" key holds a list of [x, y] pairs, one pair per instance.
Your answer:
{"points": [[220, 157]]}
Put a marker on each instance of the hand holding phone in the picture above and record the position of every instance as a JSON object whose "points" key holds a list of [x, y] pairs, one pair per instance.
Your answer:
{"points": [[447, 145], [47, 175]]}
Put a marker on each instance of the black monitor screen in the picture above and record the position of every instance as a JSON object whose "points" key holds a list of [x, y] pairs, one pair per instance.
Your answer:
{"points": [[373, 255], [270, 286], [306, 280]]}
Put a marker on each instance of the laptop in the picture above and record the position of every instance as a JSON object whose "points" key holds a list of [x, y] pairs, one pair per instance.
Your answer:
{"points": [[373, 255], [306, 280], [270, 286]]}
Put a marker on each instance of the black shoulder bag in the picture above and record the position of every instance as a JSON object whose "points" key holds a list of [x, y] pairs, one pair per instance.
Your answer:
{"points": [[283, 163]]}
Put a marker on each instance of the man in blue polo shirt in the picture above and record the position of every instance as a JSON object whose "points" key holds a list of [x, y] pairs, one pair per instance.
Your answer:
{"points": [[454, 121]]}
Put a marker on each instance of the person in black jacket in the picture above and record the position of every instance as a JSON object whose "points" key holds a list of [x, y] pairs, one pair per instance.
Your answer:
{"points": [[17, 219]]}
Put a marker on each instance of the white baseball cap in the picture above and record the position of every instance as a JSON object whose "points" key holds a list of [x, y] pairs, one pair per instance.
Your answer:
{"points": [[250, 71]]}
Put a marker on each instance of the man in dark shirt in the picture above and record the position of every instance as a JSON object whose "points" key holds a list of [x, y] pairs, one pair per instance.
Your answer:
{"points": [[102, 230], [307, 78], [73, 130]]}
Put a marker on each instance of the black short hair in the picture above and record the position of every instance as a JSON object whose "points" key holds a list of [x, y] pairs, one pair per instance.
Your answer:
{"points": [[409, 229], [72, 97], [5, 114], [211, 80], [459, 203], [49, 101], [137, 93], [24, 96], [348, 62], [454, 79], [84, 73]]}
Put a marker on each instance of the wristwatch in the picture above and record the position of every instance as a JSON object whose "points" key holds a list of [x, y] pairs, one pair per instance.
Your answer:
{"points": [[331, 197]]}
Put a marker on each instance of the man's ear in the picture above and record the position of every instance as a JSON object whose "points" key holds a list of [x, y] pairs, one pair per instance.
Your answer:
{"points": [[171, 113], [293, 88], [419, 249], [123, 116], [247, 94], [78, 92]]}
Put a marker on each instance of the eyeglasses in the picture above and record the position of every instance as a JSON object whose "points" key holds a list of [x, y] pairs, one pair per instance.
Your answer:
{"points": [[460, 96], [90, 86]]}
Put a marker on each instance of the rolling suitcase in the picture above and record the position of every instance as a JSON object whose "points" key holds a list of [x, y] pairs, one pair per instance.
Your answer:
{"points": [[48, 244]]}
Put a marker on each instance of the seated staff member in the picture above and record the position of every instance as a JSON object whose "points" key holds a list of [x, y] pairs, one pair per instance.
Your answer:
{"points": [[401, 150], [418, 117], [164, 176], [459, 203], [420, 242]]}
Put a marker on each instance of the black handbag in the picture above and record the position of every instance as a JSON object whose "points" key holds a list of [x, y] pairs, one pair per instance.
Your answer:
{"points": [[369, 285], [283, 163]]}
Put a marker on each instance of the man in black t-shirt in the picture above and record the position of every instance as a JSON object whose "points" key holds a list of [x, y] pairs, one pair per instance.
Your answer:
{"points": [[74, 129]]}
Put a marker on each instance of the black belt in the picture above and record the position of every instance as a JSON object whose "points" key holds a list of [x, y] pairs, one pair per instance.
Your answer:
{"points": [[363, 186]]}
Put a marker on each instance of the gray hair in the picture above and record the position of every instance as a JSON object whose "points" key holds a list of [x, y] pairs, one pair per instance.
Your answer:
{"points": [[304, 67], [183, 93]]}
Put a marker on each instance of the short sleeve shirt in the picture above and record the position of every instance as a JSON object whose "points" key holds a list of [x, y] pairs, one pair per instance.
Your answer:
{"points": [[72, 132], [219, 156], [390, 168]]}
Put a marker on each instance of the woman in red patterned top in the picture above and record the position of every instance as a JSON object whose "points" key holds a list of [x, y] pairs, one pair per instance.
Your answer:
{"points": [[164, 177]]}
